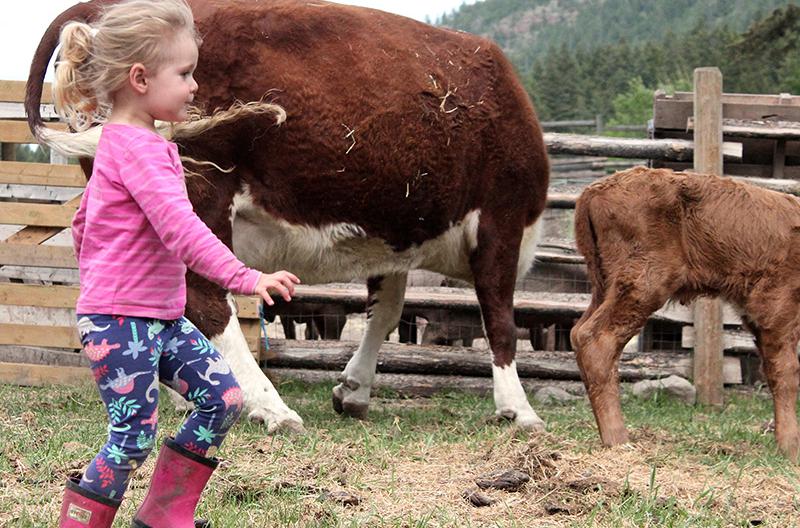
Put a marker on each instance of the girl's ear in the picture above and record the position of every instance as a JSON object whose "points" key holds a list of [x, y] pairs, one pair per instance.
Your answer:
{"points": [[137, 78]]}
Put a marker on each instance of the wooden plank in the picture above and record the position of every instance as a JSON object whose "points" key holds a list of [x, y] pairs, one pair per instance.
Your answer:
{"points": [[247, 306], [779, 159], [25, 173], [24, 273], [14, 92], [14, 294], [37, 235], [37, 194], [42, 356], [40, 336], [756, 128], [732, 339], [558, 258], [662, 149], [739, 99], [415, 385], [41, 375], [708, 160], [17, 111], [251, 328], [743, 170], [789, 186], [565, 307], [674, 111], [442, 360], [39, 256], [18, 131], [37, 214], [561, 200]]}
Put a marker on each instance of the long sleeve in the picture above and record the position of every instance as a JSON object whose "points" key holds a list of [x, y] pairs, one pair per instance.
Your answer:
{"points": [[154, 181], [79, 224]]}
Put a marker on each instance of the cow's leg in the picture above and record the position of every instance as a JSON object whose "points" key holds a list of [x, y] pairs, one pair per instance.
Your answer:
{"points": [[331, 325], [779, 356], [312, 331], [494, 265], [407, 329], [214, 313], [598, 339], [289, 331], [384, 307], [179, 402]]}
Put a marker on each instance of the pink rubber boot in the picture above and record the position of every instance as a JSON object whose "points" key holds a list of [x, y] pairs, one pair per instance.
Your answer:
{"points": [[85, 509], [178, 480]]}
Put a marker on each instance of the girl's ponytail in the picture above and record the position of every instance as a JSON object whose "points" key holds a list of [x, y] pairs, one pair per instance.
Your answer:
{"points": [[73, 90]]}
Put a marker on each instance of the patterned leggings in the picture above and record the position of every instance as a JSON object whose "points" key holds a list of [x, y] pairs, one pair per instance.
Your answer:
{"points": [[129, 355]]}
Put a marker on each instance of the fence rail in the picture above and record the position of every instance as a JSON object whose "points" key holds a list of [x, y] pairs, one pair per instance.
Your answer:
{"points": [[23, 252], [598, 123]]}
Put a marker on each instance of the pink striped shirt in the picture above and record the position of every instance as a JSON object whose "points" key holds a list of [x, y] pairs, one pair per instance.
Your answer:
{"points": [[136, 232]]}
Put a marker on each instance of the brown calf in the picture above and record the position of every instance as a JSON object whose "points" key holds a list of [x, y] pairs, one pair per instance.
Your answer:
{"points": [[653, 235]]}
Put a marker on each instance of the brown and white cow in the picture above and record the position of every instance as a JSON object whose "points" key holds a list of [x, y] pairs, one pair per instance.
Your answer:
{"points": [[652, 235], [405, 146]]}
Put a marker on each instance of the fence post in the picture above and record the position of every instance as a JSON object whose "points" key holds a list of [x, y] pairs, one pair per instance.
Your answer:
{"points": [[8, 151], [707, 365]]}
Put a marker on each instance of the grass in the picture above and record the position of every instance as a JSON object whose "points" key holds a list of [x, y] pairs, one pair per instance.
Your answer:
{"points": [[409, 465]]}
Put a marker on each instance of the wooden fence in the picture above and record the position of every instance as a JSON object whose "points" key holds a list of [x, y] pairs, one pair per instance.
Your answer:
{"points": [[38, 277], [30, 249]]}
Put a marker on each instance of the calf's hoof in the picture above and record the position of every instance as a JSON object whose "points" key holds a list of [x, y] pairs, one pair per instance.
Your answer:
{"points": [[352, 409], [790, 448], [614, 437]]}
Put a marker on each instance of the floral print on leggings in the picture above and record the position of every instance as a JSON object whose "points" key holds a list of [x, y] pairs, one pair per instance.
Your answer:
{"points": [[129, 356]]}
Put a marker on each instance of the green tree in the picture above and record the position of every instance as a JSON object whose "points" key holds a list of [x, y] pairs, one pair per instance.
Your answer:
{"points": [[634, 106], [33, 153]]}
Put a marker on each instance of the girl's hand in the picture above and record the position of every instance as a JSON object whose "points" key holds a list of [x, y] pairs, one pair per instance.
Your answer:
{"points": [[280, 282]]}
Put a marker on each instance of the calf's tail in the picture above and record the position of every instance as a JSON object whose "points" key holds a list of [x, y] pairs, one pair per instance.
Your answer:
{"points": [[586, 240]]}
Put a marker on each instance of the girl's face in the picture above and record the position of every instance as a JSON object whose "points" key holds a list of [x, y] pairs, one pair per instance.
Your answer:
{"points": [[171, 88]]}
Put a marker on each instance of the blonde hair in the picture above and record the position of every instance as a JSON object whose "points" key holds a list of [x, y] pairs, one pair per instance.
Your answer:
{"points": [[95, 60]]}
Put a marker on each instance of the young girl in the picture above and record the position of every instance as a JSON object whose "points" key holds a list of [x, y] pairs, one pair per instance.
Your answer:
{"points": [[135, 233]]}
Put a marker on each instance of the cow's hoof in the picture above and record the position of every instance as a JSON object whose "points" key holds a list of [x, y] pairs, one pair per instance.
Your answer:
{"points": [[527, 421], [336, 399], [352, 409], [533, 423], [358, 411], [291, 423]]}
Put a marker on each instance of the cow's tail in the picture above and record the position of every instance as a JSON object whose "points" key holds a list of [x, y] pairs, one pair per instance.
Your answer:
{"points": [[199, 123], [586, 240], [70, 144]]}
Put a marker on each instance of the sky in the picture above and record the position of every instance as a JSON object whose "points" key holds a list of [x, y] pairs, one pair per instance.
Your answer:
{"points": [[24, 21]]}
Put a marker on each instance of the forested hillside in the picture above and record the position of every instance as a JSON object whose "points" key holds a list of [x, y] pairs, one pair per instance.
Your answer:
{"points": [[579, 58]]}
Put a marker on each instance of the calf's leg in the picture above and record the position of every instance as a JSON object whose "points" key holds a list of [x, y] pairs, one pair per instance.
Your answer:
{"points": [[384, 307], [598, 339], [779, 356]]}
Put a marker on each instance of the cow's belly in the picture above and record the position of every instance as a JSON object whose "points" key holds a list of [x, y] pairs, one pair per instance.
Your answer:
{"points": [[342, 252]]}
